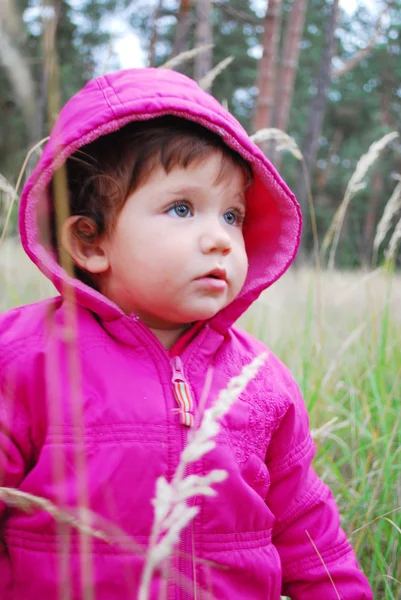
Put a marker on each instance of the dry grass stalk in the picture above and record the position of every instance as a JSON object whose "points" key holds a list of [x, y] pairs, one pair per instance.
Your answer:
{"points": [[391, 209], [286, 142], [323, 563], [390, 512], [8, 189], [28, 503], [206, 82], [187, 55], [395, 239], [351, 339], [105, 530], [172, 514], [282, 139], [355, 184], [17, 186], [326, 430]]}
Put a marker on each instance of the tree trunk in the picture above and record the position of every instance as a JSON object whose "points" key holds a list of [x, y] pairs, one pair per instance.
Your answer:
{"points": [[153, 34], [203, 37], [316, 116], [334, 150], [288, 68], [17, 67], [183, 28], [266, 77]]}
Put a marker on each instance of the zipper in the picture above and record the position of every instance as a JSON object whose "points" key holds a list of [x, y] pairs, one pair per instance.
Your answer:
{"points": [[185, 557], [182, 393], [185, 409], [185, 403]]}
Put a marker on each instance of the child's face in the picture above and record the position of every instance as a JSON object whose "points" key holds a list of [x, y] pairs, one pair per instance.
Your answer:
{"points": [[176, 254]]}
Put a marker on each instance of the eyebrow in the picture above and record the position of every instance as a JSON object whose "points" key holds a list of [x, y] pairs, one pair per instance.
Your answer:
{"points": [[195, 188], [186, 188]]}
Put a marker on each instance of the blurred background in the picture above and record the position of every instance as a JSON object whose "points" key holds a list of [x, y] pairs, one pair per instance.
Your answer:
{"points": [[327, 72]]}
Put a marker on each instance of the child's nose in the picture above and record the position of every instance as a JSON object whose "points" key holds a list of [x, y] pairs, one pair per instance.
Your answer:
{"points": [[215, 239]]}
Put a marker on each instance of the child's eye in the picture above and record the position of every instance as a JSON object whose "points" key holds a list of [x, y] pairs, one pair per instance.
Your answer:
{"points": [[180, 209], [234, 217]]}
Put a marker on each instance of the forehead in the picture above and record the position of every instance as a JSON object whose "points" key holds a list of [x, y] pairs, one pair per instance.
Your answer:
{"points": [[212, 170]]}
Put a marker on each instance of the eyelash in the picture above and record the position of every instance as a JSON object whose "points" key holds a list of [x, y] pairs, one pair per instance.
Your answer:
{"points": [[239, 214], [181, 203]]}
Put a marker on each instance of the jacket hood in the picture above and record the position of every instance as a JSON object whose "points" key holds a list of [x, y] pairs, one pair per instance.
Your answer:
{"points": [[273, 225]]}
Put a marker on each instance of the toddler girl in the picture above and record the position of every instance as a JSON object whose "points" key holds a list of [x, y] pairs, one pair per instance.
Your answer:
{"points": [[176, 223]]}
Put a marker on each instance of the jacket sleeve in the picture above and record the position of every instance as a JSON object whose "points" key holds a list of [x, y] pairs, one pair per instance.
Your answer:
{"points": [[317, 560], [15, 446]]}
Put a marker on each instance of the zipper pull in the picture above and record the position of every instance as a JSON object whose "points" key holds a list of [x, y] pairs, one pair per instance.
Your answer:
{"points": [[182, 393]]}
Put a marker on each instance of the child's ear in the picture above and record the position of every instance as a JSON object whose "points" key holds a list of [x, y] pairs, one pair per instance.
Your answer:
{"points": [[80, 239]]}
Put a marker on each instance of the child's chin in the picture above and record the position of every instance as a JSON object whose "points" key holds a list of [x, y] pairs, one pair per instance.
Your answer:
{"points": [[199, 311], [201, 315]]}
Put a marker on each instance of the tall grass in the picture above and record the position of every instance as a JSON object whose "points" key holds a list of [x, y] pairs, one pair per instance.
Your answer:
{"points": [[350, 374], [348, 365]]}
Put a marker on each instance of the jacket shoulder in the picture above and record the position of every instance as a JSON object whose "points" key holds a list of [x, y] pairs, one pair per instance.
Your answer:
{"points": [[249, 347], [274, 385], [23, 329]]}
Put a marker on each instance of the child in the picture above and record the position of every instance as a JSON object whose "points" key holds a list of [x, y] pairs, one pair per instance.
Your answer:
{"points": [[176, 224]]}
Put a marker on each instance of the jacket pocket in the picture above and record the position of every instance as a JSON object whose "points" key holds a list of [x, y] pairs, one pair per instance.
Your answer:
{"points": [[256, 475]]}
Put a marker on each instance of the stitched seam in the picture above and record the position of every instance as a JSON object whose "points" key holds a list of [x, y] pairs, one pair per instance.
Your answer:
{"points": [[313, 561], [231, 547], [232, 536], [296, 455], [316, 492], [227, 542], [13, 350], [48, 549], [54, 536], [140, 99], [134, 441], [105, 97], [19, 348], [117, 427], [110, 85]]}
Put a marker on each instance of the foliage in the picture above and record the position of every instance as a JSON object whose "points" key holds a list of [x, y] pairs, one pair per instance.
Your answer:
{"points": [[363, 105], [80, 38]]}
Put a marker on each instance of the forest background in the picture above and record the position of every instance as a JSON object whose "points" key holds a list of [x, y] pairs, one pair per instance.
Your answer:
{"points": [[329, 78], [326, 84]]}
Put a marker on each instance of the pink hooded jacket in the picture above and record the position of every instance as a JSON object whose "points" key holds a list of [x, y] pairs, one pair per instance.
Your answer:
{"points": [[88, 417]]}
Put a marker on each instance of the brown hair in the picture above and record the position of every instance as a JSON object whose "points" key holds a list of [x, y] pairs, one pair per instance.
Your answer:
{"points": [[102, 174]]}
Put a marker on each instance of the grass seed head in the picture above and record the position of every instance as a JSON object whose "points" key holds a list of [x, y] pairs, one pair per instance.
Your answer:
{"points": [[282, 139], [392, 207]]}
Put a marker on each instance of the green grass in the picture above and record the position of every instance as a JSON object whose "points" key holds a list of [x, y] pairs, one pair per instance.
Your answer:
{"points": [[349, 368], [341, 336]]}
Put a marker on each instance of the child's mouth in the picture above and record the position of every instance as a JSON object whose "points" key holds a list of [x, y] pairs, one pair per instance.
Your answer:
{"points": [[219, 274], [215, 280]]}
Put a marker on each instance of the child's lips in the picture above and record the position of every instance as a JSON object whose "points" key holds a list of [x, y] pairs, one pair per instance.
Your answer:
{"points": [[217, 273], [215, 280]]}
